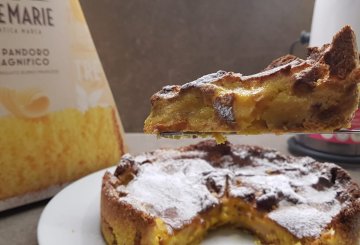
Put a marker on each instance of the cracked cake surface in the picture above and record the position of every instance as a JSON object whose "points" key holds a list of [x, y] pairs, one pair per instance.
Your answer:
{"points": [[174, 196], [317, 94]]}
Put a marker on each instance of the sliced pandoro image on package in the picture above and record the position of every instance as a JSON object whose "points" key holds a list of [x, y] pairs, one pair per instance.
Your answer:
{"points": [[58, 118]]}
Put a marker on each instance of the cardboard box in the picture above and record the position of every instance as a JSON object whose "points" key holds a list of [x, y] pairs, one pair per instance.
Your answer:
{"points": [[58, 119]]}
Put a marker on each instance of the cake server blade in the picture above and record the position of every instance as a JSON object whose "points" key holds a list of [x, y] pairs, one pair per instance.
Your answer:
{"points": [[205, 134]]}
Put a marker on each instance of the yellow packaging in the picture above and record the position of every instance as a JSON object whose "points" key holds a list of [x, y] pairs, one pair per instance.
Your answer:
{"points": [[58, 119]]}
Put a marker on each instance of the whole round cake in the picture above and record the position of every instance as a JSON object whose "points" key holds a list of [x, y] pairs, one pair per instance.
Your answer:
{"points": [[175, 196]]}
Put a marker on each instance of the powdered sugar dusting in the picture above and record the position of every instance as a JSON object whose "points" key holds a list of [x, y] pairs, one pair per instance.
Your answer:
{"points": [[210, 78], [225, 111], [304, 220], [241, 191], [176, 195]]}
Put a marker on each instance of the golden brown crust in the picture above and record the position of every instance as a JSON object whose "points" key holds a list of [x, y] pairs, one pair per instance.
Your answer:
{"points": [[115, 215], [300, 198], [313, 87], [341, 57], [283, 61], [306, 80]]}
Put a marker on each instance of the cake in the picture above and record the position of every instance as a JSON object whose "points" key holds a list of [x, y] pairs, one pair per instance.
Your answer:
{"points": [[318, 94], [65, 145], [175, 196]]}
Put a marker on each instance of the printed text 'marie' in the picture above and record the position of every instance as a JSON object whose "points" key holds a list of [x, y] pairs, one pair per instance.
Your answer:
{"points": [[25, 15]]}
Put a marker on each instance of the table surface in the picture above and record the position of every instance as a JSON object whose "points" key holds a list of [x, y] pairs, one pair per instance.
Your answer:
{"points": [[18, 226]]}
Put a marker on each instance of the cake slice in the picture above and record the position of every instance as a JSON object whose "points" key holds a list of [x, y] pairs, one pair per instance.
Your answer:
{"points": [[175, 196], [319, 94]]}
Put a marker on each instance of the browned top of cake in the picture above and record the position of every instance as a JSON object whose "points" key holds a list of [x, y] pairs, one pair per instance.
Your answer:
{"points": [[330, 63], [300, 194]]}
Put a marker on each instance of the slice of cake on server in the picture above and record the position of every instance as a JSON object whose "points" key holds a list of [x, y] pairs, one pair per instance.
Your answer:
{"points": [[319, 94]]}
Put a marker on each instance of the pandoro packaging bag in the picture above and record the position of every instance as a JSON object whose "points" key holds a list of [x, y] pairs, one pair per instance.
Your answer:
{"points": [[58, 119]]}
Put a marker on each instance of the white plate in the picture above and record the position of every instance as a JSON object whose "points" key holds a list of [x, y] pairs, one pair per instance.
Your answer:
{"points": [[72, 218]]}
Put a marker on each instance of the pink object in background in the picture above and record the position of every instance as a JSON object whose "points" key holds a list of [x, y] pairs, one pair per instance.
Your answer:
{"points": [[342, 138], [355, 123]]}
